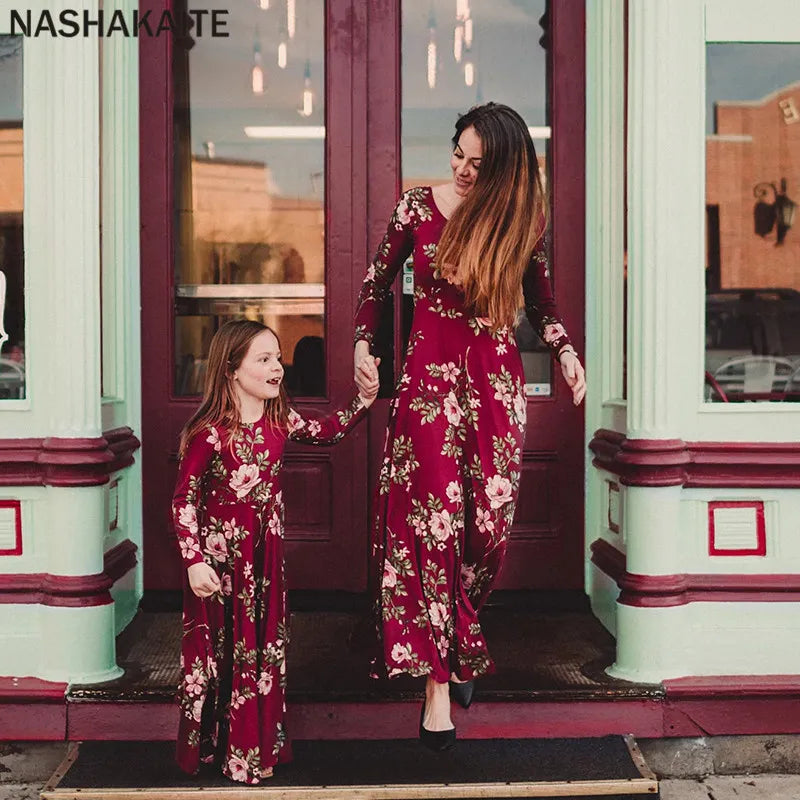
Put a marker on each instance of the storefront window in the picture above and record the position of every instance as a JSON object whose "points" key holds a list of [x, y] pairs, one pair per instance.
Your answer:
{"points": [[250, 188], [752, 343], [12, 274], [456, 55]]}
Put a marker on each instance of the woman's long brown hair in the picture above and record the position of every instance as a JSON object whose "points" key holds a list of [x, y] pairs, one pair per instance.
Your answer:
{"points": [[488, 242], [229, 346]]}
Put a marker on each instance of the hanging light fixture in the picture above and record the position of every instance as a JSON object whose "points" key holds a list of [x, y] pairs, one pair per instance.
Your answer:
{"points": [[432, 49], [283, 47], [469, 72], [462, 10], [257, 72], [291, 17], [468, 32], [263, 4], [308, 96], [458, 42]]}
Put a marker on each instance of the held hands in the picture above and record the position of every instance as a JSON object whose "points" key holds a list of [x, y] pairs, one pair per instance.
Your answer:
{"points": [[572, 370], [203, 581], [366, 373]]}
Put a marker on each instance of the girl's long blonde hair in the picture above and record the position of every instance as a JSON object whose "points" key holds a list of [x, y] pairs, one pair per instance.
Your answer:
{"points": [[487, 244], [229, 346]]}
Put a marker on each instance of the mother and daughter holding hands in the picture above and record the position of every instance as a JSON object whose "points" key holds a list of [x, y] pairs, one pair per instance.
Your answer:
{"points": [[450, 473]]}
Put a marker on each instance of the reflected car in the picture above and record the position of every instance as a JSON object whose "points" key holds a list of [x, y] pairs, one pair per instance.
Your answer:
{"points": [[753, 345]]}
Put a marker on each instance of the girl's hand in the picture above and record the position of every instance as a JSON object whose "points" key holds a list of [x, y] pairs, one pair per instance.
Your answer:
{"points": [[203, 581], [366, 372], [572, 370]]}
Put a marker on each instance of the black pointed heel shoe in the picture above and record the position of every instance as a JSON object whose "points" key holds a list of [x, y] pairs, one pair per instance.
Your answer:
{"points": [[437, 741], [462, 693]]}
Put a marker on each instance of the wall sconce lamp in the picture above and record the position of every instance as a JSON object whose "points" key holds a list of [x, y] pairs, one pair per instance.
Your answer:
{"points": [[779, 212]]}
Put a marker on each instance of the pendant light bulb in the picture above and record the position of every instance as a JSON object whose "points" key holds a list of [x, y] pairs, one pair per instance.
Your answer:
{"points": [[468, 32], [469, 73], [291, 17], [458, 43], [308, 96], [282, 54], [257, 72], [263, 4], [432, 55]]}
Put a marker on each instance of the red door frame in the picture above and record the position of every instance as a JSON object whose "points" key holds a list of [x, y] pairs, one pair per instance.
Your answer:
{"points": [[547, 545], [318, 556]]}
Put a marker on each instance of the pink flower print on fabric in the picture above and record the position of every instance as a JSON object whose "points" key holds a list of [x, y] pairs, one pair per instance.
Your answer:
{"points": [[214, 440], [453, 492], [189, 547], [237, 767], [452, 410], [389, 575], [187, 518], [403, 213], [401, 652], [264, 684], [216, 546], [450, 372], [441, 526], [296, 422], [244, 479], [484, 520], [498, 490], [467, 575], [553, 332], [194, 682]]}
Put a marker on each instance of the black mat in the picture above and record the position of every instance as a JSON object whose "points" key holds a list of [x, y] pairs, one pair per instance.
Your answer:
{"points": [[539, 656], [378, 762]]}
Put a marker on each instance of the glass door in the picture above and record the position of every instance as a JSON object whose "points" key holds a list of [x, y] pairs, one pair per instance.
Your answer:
{"points": [[240, 221]]}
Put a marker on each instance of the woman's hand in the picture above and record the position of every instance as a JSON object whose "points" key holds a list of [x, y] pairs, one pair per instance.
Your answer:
{"points": [[366, 372], [572, 370], [203, 581]]}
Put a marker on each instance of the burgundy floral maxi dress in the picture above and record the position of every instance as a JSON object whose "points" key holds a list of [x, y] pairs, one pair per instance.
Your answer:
{"points": [[228, 512], [451, 469]]}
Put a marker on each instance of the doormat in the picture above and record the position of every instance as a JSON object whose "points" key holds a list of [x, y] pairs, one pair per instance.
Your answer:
{"points": [[390, 769]]}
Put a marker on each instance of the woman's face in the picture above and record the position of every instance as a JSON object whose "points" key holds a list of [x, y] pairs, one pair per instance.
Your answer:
{"points": [[465, 161]]}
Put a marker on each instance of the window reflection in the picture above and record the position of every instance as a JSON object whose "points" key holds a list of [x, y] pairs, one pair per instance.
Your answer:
{"points": [[752, 239], [456, 55], [12, 276], [249, 189]]}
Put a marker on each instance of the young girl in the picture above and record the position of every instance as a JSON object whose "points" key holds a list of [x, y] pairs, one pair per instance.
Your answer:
{"points": [[228, 515]]}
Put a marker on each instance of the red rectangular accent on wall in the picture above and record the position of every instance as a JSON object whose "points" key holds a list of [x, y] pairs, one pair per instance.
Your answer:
{"points": [[11, 540], [734, 547]]}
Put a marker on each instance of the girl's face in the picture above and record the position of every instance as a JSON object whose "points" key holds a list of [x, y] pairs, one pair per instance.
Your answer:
{"points": [[261, 372], [465, 161]]}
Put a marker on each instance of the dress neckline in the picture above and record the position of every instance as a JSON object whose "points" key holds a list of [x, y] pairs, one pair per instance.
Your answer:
{"points": [[436, 205]]}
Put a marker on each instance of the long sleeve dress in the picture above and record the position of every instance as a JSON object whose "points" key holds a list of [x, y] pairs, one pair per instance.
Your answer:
{"points": [[450, 474], [228, 511]]}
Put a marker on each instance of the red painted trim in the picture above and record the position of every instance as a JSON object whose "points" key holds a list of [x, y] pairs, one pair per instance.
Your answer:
{"points": [[120, 560], [16, 550], [66, 462], [26, 720], [613, 486], [664, 591], [761, 529], [70, 591], [732, 686], [672, 462], [30, 689]]}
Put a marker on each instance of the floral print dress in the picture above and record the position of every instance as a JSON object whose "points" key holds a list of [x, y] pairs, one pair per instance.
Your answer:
{"points": [[227, 511], [450, 475]]}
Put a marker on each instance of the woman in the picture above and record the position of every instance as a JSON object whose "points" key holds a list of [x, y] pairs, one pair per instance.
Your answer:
{"points": [[451, 469]]}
